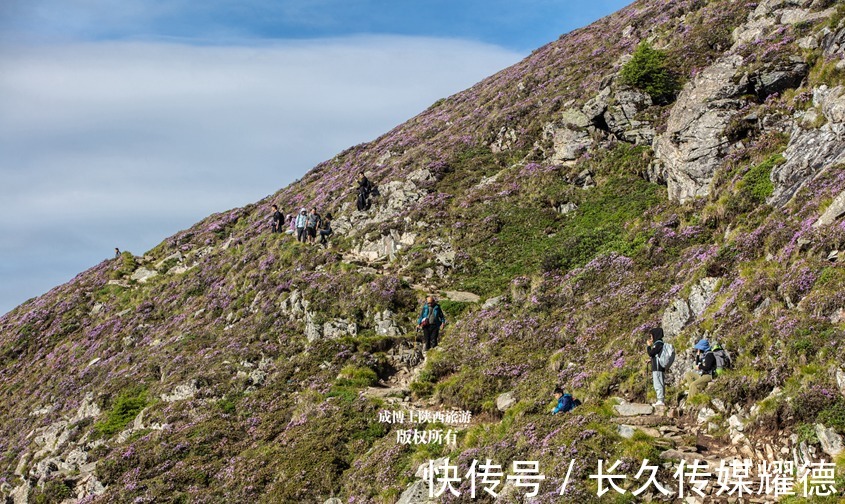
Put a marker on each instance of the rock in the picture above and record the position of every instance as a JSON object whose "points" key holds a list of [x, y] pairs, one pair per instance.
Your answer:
{"points": [[595, 107], [702, 294], [181, 392], [505, 401], [779, 77], [633, 409], [416, 493], [626, 431], [339, 328], [705, 414], [504, 141], [142, 275], [566, 208], [831, 441], [462, 297], [567, 143], [840, 380], [20, 494], [810, 152], [385, 325], [333, 500], [87, 409], [21, 467], [833, 212], [643, 421], [796, 16], [620, 116], [492, 302], [694, 142], [88, 486], [680, 455], [735, 423], [809, 42], [574, 118], [51, 437], [676, 317], [719, 405]]}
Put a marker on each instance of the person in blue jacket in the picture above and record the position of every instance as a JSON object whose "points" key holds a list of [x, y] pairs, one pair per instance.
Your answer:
{"points": [[430, 321], [564, 401]]}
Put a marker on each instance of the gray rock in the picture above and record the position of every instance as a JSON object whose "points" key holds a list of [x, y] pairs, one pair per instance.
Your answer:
{"points": [[694, 142], [676, 317], [735, 423], [21, 467], [574, 117], [461, 296], [833, 212], [831, 441], [505, 140], [779, 77], [595, 108], [385, 325], [567, 143], [633, 409], [333, 500], [492, 302], [705, 414], [566, 208], [807, 154], [416, 493], [20, 494], [505, 401], [142, 275], [181, 392], [339, 328], [840, 380], [620, 116], [626, 431], [795, 16], [702, 294]]}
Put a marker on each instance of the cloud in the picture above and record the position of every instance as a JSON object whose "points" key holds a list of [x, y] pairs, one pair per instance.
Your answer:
{"points": [[122, 144]]}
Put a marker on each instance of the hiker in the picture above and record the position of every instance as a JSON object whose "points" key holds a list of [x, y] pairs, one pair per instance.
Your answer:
{"points": [[300, 225], [291, 221], [278, 220], [430, 321], [312, 222], [326, 229], [365, 187], [116, 252], [705, 363], [565, 402], [657, 370]]}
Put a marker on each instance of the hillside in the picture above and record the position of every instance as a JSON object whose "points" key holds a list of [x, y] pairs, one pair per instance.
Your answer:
{"points": [[675, 164]]}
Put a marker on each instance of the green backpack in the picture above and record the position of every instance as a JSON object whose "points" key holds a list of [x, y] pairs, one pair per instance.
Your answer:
{"points": [[723, 359]]}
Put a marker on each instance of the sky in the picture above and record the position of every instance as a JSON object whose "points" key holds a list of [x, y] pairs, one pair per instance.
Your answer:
{"points": [[125, 121]]}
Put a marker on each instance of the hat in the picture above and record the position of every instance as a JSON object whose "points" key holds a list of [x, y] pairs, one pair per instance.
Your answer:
{"points": [[303, 210], [702, 345]]}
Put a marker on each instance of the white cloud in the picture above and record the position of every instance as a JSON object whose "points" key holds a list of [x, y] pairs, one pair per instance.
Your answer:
{"points": [[101, 140]]}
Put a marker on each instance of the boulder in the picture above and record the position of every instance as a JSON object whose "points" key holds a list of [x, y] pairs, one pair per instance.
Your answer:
{"points": [[620, 116], [831, 441], [142, 275], [833, 212], [676, 317], [461, 296], [181, 392], [694, 142], [505, 401], [492, 302], [633, 409], [568, 143], [385, 325], [840, 380], [705, 414], [626, 431], [339, 328], [416, 493], [779, 76]]}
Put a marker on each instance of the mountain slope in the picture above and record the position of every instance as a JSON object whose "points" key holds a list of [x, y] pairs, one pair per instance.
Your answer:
{"points": [[562, 207]]}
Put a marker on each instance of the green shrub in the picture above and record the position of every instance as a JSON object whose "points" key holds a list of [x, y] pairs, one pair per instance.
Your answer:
{"points": [[53, 491], [649, 72], [125, 408]]}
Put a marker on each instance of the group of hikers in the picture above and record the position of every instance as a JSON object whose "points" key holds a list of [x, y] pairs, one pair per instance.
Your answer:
{"points": [[308, 226], [710, 361], [305, 226]]}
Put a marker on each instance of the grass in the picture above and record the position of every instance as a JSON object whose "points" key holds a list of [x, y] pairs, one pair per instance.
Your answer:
{"points": [[124, 410]]}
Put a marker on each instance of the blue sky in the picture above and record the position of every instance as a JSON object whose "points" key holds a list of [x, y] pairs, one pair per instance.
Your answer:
{"points": [[125, 121]]}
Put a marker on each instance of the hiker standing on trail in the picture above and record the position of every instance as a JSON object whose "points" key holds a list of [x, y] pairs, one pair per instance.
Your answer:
{"points": [[300, 225], [706, 364], [365, 187], [326, 229], [116, 252], [430, 321], [312, 222], [278, 219], [565, 403], [657, 370]]}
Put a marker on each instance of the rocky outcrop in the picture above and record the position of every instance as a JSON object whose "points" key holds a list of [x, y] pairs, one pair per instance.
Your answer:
{"points": [[811, 151], [830, 441], [682, 312], [694, 142], [505, 401], [621, 116], [833, 212], [143, 275], [383, 247], [386, 325], [567, 141], [181, 392]]}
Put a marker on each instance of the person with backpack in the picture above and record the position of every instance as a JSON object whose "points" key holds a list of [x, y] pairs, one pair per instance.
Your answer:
{"points": [[312, 222], [430, 321], [565, 402], [326, 229], [662, 355], [300, 225], [365, 188], [278, 220], [705, 367]]}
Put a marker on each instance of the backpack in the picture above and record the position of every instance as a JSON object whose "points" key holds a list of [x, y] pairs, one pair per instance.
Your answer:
{"points": [[723, 359], [666, 356], [576, 403]]}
